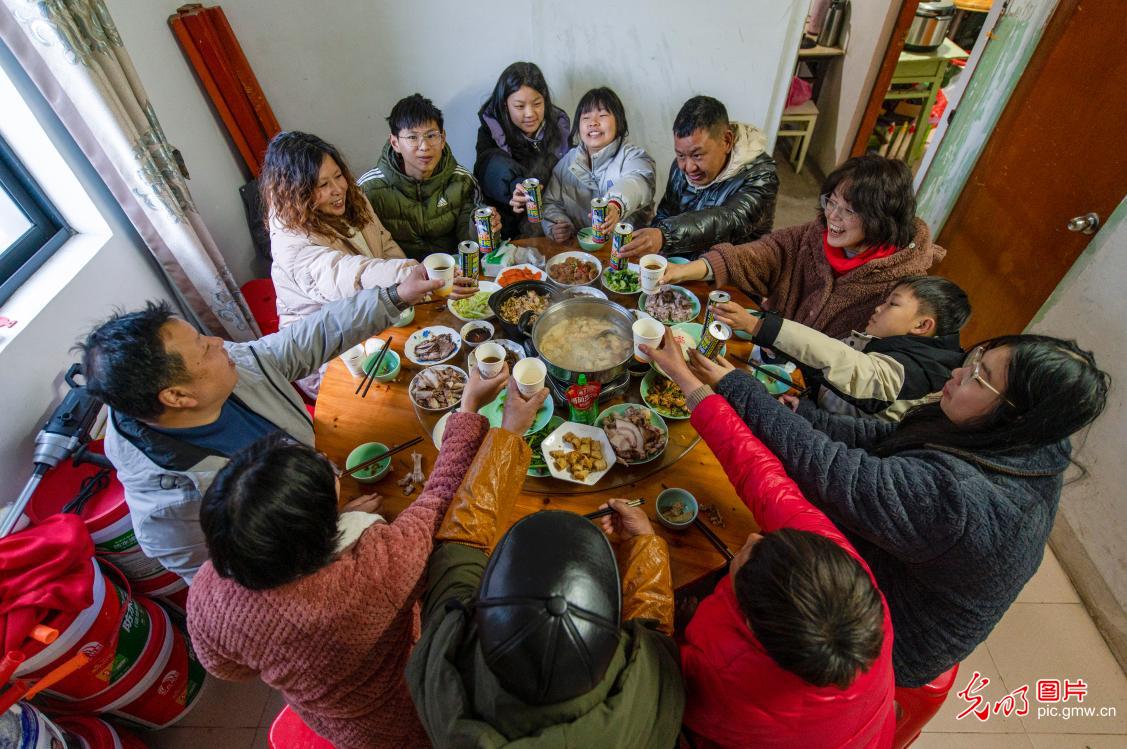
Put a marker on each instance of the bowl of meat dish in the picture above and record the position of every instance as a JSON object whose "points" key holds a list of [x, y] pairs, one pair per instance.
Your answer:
{"points": [[432, 345], [637, 434], [671, 304], [512, 302], [584, 336], [676, 509], [573, 269], [437, 389]]}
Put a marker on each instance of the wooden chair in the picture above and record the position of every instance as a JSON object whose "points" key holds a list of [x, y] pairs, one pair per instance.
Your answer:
{"points": [[798, 123]]}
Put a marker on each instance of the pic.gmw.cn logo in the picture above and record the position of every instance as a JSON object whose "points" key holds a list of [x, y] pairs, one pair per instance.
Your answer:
{"points": [[1052, 696]]}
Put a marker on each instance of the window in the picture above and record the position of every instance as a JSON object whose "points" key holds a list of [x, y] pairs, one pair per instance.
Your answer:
{"points": [[30, 227]]}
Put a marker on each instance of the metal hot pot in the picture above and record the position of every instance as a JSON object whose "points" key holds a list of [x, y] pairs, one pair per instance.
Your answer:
{"points": [[621, 318]]}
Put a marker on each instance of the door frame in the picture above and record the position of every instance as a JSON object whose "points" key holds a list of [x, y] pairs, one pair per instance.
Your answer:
{"points": [[1013, 40]]}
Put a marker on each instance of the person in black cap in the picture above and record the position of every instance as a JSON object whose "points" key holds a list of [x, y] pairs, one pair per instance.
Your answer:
{"points": [[556, 638]]}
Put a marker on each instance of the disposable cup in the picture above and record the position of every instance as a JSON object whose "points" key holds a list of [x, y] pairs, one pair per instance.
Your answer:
{"points": [[490, 350], [648, 331], [440, 267], [529, 374], [354, 360], [374, 345], [652, 269]]}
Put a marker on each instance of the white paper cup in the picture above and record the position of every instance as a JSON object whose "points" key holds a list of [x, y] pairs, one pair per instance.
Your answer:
{"points": [[490, 350], [440, 267], [529, 374], [652, 269], [648, 331], [354, 360]]}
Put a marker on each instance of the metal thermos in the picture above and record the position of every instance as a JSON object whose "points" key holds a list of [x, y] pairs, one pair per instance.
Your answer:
{"points": [[831, 25]]}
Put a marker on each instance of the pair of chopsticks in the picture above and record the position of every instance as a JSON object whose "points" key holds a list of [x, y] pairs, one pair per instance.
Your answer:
{"points": [[380, 458], [370, 374], [610, 510], [713, 538], [769, 373]]}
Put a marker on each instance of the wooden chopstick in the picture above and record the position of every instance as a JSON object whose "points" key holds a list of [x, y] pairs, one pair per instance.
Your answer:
{"points": [[375, 367], [379, 458], [770, 374], [713, 538], [608, 510]]}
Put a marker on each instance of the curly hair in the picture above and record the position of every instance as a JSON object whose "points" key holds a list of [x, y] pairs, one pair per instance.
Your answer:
{"points": [[289, 181]]}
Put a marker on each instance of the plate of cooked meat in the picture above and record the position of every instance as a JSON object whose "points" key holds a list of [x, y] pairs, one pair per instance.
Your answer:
{"points": [[438, 388], [432, 345], [637, 434], [671, 304], [573, 268]]}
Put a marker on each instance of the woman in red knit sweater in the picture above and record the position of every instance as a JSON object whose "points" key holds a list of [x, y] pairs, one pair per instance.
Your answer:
{"points": [[794, 647], [830, 273], [323, 605]]}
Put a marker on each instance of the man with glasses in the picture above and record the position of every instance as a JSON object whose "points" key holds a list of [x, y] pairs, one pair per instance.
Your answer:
{"points": [[419, 191]]}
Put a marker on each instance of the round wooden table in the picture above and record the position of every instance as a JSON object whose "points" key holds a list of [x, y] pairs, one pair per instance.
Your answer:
{"points": [[344, 420]]}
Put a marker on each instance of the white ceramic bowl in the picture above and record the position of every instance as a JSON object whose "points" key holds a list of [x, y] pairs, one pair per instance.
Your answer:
{"points": [[421, 335], [555, 441], [563, 256], [481, 286], [415, 379]]}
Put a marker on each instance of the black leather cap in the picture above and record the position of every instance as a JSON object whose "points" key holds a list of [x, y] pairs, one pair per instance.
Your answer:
{"points": [[549, 608]]}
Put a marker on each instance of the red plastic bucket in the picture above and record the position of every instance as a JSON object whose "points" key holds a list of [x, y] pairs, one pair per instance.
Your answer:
{"points": [[175, 691], [95, 733], [145, 642], [168, 587], [95, 631], [106, 515]]}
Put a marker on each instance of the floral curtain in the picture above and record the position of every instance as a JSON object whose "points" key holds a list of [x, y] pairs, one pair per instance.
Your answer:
{"points": [[73, 52]]}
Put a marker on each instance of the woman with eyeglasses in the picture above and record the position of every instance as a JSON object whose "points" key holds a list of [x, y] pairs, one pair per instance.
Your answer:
{"points": [[952, 507], [830, 273]]}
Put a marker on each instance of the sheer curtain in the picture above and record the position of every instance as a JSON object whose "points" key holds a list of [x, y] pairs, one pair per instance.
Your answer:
{"points": [[73, 52]]}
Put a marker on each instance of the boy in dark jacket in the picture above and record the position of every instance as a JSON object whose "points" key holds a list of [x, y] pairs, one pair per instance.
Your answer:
{"points": [[722, 185], [908, 349], [419, 191]]}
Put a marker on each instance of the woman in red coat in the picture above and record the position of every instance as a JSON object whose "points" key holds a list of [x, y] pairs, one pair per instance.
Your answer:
{"points": [[794, 647]]}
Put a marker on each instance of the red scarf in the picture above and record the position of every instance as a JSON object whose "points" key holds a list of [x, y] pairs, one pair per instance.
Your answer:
{"points": [[842, 263]]}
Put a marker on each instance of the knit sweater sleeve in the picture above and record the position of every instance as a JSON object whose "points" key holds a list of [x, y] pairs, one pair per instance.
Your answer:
{"points": [[408, 540], [756, 268], [213, 641], [911, 505]]}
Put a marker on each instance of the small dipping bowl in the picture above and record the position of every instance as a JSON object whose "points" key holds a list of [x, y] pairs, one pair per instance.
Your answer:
{"points": [[406, 318], [364, 452], [468, 335], [389, 367], [665, 503]]}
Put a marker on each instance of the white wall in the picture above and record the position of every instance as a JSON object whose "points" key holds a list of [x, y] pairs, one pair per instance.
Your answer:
{"points": [[1089, 305], [105, 266], [336, 69], [845, 91]]}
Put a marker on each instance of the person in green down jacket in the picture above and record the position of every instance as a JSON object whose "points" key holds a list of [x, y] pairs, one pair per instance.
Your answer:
{"points": [[420, 192], [544, 636]]}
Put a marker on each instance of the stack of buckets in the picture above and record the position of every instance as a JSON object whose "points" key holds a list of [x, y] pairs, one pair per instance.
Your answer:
{"points": [[25, 727], [141, 668]]}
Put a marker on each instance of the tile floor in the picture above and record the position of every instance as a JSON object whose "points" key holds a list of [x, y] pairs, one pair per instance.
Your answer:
{"points": [[1046, 634]]}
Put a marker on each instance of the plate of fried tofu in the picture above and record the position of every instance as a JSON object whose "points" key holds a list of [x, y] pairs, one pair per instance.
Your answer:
{"points": [[579, 453]]}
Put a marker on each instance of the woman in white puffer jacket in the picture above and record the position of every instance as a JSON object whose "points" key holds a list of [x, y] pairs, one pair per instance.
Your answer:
{"points": [[601, 164], [325, 240]]}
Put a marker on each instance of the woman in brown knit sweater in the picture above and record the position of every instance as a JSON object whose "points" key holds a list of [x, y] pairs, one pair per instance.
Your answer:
{"points": [[322, 605], [831, 273]]}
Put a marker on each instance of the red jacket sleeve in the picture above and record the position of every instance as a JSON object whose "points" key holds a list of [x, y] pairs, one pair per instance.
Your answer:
{"points": [[758, 476]]}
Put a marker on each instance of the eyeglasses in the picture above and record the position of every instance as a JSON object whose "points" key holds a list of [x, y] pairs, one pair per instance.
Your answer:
{"points": [[829, 205], [413, 140], [972, 367]]}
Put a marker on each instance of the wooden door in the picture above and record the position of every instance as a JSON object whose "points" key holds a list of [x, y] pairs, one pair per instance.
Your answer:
{"points": [[1057, 152]]}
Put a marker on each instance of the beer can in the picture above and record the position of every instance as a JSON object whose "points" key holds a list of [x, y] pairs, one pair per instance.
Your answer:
{"points": [[598, 216], [623, 233], [715, 298], [713, 338], [535, 195], [469, 259], [483, 222]]}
